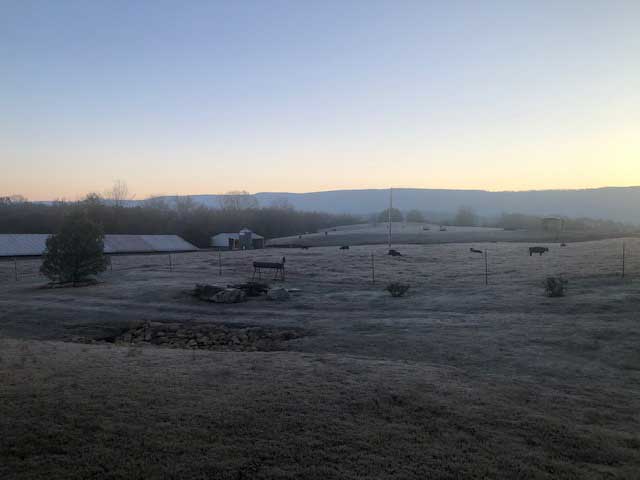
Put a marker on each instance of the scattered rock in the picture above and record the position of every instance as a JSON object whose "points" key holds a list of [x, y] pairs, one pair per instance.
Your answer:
{"points": [[229, 295], [206, 337], [252, 289], [278, 294]]}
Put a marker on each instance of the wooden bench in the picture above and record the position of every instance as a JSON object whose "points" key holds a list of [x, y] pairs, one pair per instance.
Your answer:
{"points": [[278, 267]]}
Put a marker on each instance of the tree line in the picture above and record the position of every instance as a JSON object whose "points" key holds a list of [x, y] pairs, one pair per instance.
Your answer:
{"points": [[194, 222]]}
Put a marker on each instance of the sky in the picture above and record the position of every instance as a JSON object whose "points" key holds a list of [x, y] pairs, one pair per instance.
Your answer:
{"points": [[201, 97]]}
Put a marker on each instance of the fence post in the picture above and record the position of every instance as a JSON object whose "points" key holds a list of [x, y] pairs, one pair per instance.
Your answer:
{"points": [[373, 270], [486, 268], [15, 268], [170, 263], [220, 263], [624, 254]]}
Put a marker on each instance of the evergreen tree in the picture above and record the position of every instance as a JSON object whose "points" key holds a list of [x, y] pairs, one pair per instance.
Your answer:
{"points": [[76, 252]]}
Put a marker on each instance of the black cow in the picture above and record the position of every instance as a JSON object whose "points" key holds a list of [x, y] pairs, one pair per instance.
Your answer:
{"points": [[539, 250], [394, 253], [473, 250], [344, 247]]}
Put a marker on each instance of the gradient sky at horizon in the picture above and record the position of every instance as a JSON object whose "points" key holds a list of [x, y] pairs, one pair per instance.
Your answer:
{"points": [[205, 97]]}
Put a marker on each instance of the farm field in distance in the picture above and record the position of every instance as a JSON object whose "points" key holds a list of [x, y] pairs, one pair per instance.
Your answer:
{"points": [[425, 233], [455, 380]]}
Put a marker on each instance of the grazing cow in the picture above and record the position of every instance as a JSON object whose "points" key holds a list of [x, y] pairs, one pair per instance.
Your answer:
{"points": [[563, 244], [395, 253], [473, 250], [344, 247], [304, 247], [539, 250]]}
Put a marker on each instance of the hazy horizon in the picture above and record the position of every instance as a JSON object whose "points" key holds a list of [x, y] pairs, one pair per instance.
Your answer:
{"points": [[134, 196], [289, 97]]}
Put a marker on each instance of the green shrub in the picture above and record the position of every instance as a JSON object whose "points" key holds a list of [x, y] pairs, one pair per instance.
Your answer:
{"points": [[397, 289], [76, 252], [555, 286]]}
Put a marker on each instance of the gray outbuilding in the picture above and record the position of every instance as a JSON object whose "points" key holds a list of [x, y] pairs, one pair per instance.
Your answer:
{"points": [[245, 239]]}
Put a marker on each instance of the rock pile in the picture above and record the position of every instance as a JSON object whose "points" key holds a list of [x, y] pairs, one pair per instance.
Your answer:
{"points": [[239, 292], [213, 293], [229, 295], [252, 289], [210, 337]]}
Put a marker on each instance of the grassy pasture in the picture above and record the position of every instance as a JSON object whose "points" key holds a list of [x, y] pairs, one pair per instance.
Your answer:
{"points": [[455, 380]]}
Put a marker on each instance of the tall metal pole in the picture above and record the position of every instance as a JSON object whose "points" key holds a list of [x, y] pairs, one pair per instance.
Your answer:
{"points": [[390, 207], [486, 269]]}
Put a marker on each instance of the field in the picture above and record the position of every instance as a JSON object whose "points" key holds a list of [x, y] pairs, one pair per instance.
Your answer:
{"points": [[424, 234], [457, 379]]}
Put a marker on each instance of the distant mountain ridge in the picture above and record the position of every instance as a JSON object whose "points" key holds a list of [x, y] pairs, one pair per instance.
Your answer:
{"points": [[611, 203]]}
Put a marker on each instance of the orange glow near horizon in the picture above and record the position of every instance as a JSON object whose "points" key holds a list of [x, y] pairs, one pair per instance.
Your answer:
{"points": [[219, 96]]}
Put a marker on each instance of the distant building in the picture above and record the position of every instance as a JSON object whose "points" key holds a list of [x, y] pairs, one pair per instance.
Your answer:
{"points": [[245, 239]]}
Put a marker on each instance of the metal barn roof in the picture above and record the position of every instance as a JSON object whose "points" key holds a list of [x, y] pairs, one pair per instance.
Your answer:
{"points": [[22, 245], [16, 245]]}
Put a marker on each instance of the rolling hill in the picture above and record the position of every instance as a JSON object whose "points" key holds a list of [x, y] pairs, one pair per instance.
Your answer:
{"points": [[611, 203]]}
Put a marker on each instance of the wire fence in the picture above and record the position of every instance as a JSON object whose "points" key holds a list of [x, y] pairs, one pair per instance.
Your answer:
{"points": [[442, 265]]}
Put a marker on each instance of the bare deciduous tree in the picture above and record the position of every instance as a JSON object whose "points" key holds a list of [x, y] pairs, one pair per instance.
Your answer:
{"points": [[415, 216], [158, 202], [282, 203], [13, 199], [184, 205], [238, 200], [119, 193], [466, 217]]}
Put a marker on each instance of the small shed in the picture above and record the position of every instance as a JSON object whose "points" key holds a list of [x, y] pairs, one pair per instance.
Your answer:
{"points": [[245, 239]]}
